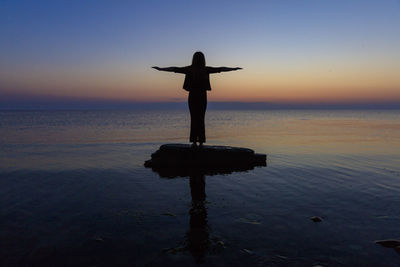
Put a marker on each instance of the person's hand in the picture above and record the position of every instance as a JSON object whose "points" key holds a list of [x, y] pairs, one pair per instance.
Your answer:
{"points": [[157, 68]]}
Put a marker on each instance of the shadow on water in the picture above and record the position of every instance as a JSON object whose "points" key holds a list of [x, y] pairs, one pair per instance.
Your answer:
{"points": [[197, 237], [198, 241]]}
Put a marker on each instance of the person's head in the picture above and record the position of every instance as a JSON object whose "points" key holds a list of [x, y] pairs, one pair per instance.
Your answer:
{"points": [[198, 59]]}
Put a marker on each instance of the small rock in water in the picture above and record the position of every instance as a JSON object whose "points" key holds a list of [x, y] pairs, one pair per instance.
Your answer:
{"points": [[173, 250], [169, 214], [245, 220], [98, 239], [389, 243], [281, 257], [316, 219], [221, 243], [248, 251]]}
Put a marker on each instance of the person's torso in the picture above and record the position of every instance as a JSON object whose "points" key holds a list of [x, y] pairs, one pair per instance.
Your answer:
{"points": [[197, 79]]}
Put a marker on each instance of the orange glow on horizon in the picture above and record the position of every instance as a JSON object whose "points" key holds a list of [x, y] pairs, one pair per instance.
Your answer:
{"points": [[261, 84]]}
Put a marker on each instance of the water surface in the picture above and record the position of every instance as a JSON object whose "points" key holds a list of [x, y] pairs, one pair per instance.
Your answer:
{"points": [[73, 190]]}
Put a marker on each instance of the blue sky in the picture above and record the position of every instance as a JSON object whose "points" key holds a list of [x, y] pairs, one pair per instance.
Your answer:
{"points": [[103, 49]]}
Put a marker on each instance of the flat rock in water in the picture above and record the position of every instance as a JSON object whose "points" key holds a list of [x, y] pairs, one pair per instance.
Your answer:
{"points": [[181, 158], [388, 243], [316, 219]]}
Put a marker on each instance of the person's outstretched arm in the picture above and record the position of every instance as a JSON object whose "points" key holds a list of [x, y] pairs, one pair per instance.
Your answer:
{"points": [[221, 69], [172, 69]]}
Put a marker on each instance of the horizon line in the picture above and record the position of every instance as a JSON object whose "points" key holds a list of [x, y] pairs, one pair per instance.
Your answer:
{"points": [[178, 105]]}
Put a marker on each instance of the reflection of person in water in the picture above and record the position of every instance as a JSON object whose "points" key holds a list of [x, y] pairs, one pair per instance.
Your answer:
{"points": [[197, 238], [197, 82]]}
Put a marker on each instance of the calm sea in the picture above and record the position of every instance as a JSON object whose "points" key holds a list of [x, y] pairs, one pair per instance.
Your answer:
{"points": [[73, 190]]}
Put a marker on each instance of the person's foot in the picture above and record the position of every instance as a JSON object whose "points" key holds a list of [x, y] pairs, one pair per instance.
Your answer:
{"points": [[201, 144], [194, 144]]}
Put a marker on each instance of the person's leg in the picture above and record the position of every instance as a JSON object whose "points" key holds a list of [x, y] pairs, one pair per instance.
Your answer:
{"points": [[192, 109], [202, 130], [202, 114], [197, 107]]}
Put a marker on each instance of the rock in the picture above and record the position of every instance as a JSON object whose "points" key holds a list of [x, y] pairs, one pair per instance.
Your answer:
{"points": [[169, 214], [245, 220], [181, 159], [248, 251], [316, 219], [98, 239], [281, 257], [173, 250], [221, 243], [389, 243]]}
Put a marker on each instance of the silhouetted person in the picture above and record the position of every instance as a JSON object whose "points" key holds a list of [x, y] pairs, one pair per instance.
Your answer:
{"points": [[197, 83]]}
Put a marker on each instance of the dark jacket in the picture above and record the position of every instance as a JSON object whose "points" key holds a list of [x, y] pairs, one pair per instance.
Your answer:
{"points": [[197, 78]]}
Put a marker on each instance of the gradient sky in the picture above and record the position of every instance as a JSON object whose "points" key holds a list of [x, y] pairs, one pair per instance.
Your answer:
{"points": [[291, 51]]}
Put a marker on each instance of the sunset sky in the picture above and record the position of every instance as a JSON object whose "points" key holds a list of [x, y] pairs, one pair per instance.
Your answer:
{"points": [[291, 51]]}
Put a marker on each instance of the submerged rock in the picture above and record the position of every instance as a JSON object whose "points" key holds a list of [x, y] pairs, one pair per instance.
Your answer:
{"points": [[248, 251], [316, 219], [183, 158], [98, 239], [169, 214], [173, 250], [389, 243], [221, 243]]}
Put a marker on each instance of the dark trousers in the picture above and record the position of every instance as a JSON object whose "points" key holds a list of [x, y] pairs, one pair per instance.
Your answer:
{"points": [[197, 107]]}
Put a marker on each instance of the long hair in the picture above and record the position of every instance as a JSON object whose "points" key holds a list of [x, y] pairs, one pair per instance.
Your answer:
{"points": [[198, 59]]}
